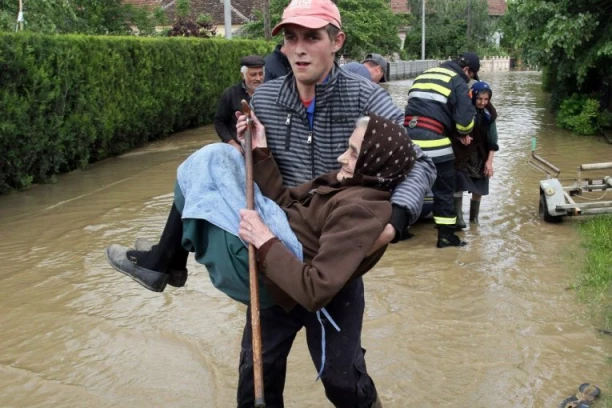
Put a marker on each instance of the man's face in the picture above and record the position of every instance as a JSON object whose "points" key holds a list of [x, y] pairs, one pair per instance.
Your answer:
{"points": [[253, 77], [468, 72], [310, 52], [348, 159], [376, 72]]}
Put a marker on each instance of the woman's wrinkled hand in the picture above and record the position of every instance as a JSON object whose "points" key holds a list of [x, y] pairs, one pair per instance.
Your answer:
{"points": [[465, 140], [488, 169], [236, 145], [252, 229], [258, 131]]}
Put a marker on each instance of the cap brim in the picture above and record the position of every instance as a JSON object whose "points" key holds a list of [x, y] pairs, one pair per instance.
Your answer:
{"points": [[302, 21]]}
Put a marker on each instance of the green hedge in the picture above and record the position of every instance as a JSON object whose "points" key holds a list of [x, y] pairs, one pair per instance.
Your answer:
{"points": [[71, 100]]}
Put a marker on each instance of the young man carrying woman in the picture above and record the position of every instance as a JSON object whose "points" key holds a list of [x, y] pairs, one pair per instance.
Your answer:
{"points": [[312, 241]]}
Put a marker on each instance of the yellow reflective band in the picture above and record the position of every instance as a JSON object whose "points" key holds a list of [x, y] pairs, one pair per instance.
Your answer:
{"points": [[442, 71], [443, 78], [466, 129], [425, 144], [445, 220], [432, 87]]}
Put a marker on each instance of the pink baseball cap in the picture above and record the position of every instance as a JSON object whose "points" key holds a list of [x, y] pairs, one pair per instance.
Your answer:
{"points": [[310, 14]]}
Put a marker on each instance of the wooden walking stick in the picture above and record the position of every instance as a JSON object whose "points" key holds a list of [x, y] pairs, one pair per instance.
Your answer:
{"points": [[253, 283]]}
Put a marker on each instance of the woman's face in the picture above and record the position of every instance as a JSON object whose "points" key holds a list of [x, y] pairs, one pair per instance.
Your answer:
{"points": [[349, 158], [482, 100]]}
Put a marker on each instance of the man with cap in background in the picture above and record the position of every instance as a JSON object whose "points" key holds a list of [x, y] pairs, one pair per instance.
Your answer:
{"points": [[438, 105], [252, 72], [308, 117], [373, 67]]}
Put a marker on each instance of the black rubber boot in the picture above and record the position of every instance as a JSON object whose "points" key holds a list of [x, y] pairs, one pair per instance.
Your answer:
{"points": [[168, 256], [460, 224], [447, 237], [176, 277], [158, 265], [474, 210], [153, 280]]}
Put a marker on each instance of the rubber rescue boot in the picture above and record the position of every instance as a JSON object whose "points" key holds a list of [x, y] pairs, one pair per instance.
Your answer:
{"points": [[176, 277], [153, 280], [474, 210], [460, 224], [447, 237]]}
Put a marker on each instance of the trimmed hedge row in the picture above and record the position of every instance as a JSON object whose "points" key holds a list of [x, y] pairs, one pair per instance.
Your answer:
{"points": [[70, 100]]}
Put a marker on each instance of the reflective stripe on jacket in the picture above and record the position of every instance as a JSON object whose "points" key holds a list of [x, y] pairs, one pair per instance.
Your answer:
{"points": [[441, 94]]}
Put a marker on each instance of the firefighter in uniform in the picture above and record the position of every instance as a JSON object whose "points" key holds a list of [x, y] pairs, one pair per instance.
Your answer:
{"points": [[438, 104]]}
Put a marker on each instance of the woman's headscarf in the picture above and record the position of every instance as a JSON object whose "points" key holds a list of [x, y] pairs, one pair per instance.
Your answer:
{"points": [[478, 87], [387, 154]]}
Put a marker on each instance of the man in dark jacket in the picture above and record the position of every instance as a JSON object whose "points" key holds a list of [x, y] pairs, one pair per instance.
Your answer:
{"points": [[277, 64], [438, 104], [374, 67], [252, 72]]}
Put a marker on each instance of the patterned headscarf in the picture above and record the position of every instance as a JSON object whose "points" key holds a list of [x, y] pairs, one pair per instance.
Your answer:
{"points": [[387, 154]]}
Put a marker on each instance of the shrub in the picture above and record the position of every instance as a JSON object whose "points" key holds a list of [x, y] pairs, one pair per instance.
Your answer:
{"points": [[70, 100], [582, 115]]}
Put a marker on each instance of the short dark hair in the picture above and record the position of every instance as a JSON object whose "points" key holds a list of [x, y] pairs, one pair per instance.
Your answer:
{"points": [[332, 31]]}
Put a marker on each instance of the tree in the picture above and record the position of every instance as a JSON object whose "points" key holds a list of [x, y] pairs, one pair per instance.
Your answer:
{"points": [[452, 26], [570, 39], [96, 17], [370, 26]]}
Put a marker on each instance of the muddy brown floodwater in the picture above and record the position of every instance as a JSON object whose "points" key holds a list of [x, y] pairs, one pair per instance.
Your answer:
{"points": [[487, 325]]}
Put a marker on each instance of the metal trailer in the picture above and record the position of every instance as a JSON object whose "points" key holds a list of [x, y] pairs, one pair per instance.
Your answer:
{"points": [[556, 198]]}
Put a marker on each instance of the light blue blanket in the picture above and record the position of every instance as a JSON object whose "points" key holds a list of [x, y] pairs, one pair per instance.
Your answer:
{"points": [[213, 182]]}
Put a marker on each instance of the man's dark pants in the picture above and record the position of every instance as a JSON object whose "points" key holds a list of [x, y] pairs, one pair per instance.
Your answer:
{"points": [[344, 377], [443, 190]]}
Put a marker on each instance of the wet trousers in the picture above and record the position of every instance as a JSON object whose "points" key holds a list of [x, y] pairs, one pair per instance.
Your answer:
{"points": [[443, 190], [346, 382]]}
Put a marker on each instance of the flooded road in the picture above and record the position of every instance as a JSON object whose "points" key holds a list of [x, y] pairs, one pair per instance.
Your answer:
{"points": [[488, 325]]}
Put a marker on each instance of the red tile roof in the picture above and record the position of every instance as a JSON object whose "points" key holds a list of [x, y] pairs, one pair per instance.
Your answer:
{"points": [[400, 6], [497, 7]]}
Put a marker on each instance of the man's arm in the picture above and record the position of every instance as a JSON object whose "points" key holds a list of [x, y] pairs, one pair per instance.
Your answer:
{"points": [[463, 110], [407, 198], [346, 239], [223, 117]]}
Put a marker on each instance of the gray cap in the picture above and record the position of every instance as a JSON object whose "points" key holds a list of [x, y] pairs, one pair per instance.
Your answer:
{"points": [[378, 60], [252, 61]]}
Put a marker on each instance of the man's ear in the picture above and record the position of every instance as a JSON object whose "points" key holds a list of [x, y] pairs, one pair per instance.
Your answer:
{"points": [[339, 41]]}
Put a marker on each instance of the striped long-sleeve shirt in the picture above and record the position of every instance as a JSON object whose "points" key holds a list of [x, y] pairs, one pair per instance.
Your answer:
{"points": [[303, 153]]}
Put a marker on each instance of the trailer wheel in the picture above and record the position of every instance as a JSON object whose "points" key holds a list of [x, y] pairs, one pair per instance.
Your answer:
{"points": [[545, 214]]}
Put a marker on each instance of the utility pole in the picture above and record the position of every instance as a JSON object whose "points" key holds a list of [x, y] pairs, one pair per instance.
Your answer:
{"points": [[469, 22], [423, 30], [227, 13], [266, 15], [19, 26]]}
